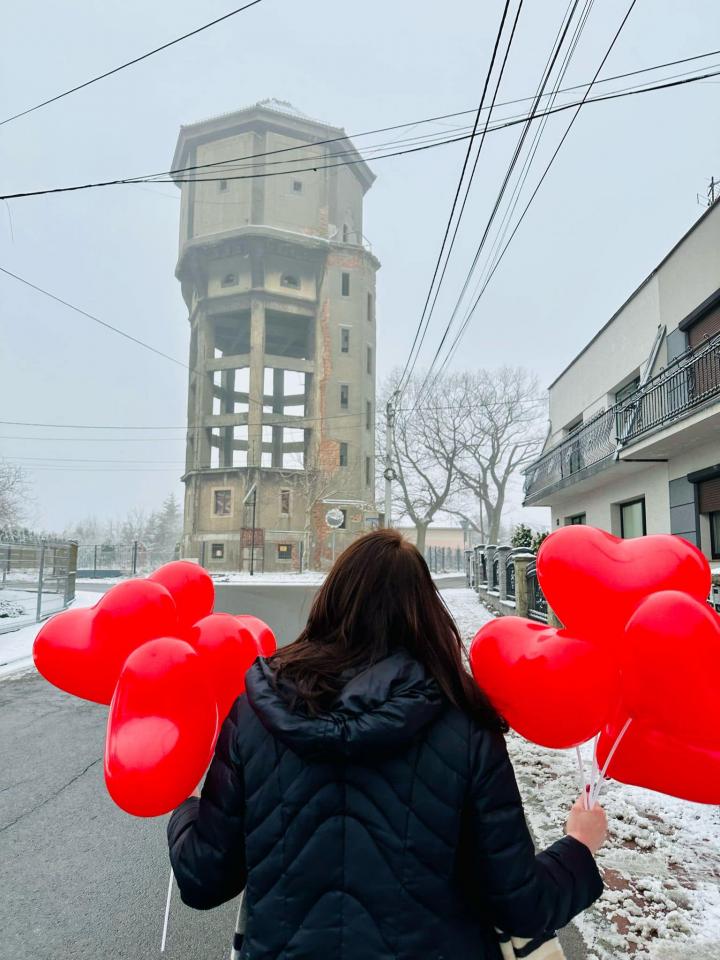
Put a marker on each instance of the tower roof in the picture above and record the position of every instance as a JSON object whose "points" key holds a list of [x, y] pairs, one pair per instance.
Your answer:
{"points": [[272, 114]]}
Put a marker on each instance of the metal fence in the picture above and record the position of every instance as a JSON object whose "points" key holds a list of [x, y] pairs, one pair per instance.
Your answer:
{"points": [[37, 579], [537, 604], [445, 559], [97, 560]]}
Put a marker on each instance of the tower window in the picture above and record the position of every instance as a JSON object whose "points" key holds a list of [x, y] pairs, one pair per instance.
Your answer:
{"points": [[369, 307], [222, 186], [344, 340], [343, 454], [368, 415], [288, 280], [222, 503], [285, 502], [217, 551], [297, 186], [229, 280], [368, 470], [346, 233], [345, 284], [344, 396], [369, 360]]}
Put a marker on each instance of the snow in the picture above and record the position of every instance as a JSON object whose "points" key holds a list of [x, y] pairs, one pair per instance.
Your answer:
{"points": [[661, 863], [299, 579], [14, 603], [16, 647]]}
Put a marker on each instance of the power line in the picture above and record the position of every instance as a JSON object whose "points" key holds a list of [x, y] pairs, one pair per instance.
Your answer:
{"points": [[472, 309], [547, 73], [501, 125], [419, 332], [129, 63]]}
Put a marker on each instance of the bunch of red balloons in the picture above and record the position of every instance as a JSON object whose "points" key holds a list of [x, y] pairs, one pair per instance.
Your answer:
{"points": [[636, 664], [169, 668]]}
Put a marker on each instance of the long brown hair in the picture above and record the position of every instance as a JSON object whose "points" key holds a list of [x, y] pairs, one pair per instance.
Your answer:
{"points": [[378, 597]]}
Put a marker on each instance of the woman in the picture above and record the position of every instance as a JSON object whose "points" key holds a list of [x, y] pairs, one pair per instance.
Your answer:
{"points": [[362, 795]]}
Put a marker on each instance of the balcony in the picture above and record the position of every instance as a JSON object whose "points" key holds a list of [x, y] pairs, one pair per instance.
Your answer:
{"points": [[684, 389]]}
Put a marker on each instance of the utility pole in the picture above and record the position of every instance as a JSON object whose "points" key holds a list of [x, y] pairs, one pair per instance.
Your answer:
{"points": [[389, 472], [711, 190]]}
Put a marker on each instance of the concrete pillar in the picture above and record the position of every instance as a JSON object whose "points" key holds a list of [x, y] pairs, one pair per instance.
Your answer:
{"points": [[502, 554], [278, 407], [203, 391], [490, 559], [522, 561], [257, 380], [478, 565]]}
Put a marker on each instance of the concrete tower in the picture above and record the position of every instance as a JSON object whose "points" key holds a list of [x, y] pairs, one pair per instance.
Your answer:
{"points": [[280, 289]]}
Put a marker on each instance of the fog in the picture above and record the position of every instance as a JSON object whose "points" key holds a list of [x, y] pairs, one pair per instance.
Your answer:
{"points": [[622, 192]]}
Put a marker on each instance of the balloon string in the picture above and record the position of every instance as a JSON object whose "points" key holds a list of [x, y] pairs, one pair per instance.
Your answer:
{"points": [[167, 913], [581, 772], [609, 757], [593, 772]]}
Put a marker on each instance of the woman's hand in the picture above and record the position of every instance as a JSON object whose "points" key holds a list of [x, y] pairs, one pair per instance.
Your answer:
{"points": [[588, 826]]}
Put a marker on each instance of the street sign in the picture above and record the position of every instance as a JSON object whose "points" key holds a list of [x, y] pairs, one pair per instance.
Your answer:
{"points": [[334, 518]]}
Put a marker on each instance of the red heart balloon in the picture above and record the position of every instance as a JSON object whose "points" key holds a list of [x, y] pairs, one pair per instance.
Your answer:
{"points": [[261, 633], [161, 728], [552, 688], [228, 651], [670, 668], [191, 588], [83, 651], [594, 581], [645, 757]]}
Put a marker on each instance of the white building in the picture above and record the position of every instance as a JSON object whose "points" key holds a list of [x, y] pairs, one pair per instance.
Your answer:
{"points": [[634, 439]]}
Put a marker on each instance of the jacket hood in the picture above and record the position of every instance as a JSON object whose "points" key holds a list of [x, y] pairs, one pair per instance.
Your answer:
{"points": [[379, 710]]}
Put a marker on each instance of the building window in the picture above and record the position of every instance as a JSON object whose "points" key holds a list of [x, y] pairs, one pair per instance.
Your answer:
{"points": [[344, 340], [285, 502], [222, 186], [344, 396], [368, 415], [368, 361], [579, 518], [632, 519], [217, 551], [288, 280], [222, 503], [343, 454], [368, 470], [345, 233], [297, 186], [229, 280], [343, 524], [345, 285], [369, 307], [714, 519], [284, 551]]}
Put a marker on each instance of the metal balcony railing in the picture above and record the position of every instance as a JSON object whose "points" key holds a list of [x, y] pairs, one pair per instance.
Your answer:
{"points": [[684, 385], [590, 444]]}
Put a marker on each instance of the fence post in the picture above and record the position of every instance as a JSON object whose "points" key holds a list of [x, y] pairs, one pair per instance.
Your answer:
{"points": [[41, 573], [71, 572], [522, 561], [95, 562], [134, 557], [502, 555], [490, 562], [300, 551], [202, 553]]}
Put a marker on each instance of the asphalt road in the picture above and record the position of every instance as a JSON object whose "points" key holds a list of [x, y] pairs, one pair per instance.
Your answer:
{"points": [[78, 878]]}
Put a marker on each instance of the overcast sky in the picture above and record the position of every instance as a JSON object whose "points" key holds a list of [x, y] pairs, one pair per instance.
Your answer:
{"points": [[621, 193]]}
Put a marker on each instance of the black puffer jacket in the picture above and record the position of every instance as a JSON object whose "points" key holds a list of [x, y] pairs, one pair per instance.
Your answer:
{"points": [[390, 828]]}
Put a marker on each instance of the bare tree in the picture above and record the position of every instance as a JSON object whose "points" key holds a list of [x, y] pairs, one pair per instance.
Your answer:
{"points": [[427, 448], [501, 434], [13, 495], [312, 485]]}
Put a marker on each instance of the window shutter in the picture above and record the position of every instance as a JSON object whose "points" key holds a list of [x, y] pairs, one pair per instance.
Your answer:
{"points": [[705, 328], [709, 495]]}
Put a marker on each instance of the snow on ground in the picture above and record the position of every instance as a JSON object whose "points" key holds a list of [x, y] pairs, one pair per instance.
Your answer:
{"points": [[661, 863], [16, 647], [308, 577], [15, 603]]}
